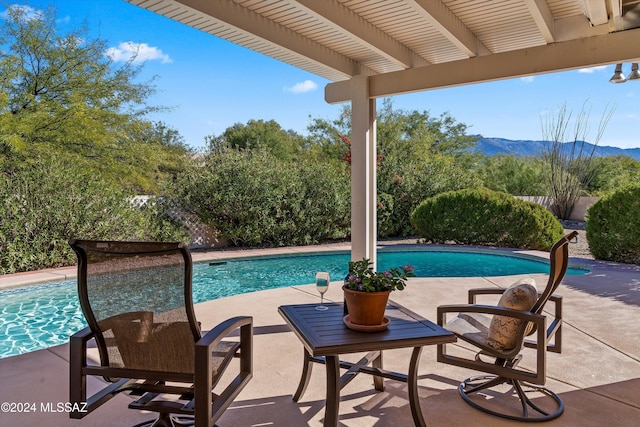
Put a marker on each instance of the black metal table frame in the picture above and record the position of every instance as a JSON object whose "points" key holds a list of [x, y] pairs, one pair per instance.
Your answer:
{"points": [[336, 382]]}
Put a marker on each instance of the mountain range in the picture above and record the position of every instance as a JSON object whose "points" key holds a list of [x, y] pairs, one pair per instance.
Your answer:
{"points": [[493, 146]]}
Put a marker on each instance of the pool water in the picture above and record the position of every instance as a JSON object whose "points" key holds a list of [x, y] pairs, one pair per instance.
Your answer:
{"points": [[42, 316]]}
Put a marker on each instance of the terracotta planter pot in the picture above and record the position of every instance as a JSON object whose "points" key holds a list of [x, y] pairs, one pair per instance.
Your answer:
{"points": [[366, 308]]}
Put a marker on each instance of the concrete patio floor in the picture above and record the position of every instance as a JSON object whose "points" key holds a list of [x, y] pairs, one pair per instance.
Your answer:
{"points": [[597, 375]]}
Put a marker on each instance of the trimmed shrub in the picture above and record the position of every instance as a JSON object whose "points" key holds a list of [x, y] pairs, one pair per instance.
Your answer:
{"points": [[255, 199], [613, 226], [485, 217], [50, 201]]}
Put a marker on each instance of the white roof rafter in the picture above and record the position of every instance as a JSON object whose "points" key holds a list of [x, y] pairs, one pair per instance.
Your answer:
{"points": [[348, 23], [596, 11], [615, 6], [544, 18], [440, 17]]}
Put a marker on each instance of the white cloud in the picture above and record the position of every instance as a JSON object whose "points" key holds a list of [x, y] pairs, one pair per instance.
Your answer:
{"points": [[527, 79], [138, 52], [302, 87], [592, 70], [27, 11]]}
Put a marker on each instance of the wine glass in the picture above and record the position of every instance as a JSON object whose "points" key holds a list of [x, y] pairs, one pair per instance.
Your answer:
{"points": [[322, 284]]}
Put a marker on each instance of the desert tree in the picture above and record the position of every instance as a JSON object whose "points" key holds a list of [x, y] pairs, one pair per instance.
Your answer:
{"points": [[569, 155], [61, 92]]}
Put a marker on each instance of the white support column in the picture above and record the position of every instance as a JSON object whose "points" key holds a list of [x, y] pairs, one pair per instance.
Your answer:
{"points": [[363, 172]]}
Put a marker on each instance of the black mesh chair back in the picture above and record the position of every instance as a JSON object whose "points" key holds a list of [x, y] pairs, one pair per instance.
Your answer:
{"points": [[136, 297], [137, 300]]}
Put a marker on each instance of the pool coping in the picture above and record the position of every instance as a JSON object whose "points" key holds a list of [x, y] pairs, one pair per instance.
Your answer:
{"points": [[25, 278], [21, 279]]}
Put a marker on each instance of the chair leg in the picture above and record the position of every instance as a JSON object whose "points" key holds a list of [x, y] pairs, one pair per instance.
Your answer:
{"points": [[530, 412]]}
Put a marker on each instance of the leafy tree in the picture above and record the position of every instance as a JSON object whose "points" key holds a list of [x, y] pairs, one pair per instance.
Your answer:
{"points": [[519, 176], [416, 136], [328, 140], [259, 134], [418, 157], [159, 153], [403, 137], [60, 93], [612, 173]]}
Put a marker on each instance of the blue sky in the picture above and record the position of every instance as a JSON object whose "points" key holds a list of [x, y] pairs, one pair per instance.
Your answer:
{"points": [[212, 84]]}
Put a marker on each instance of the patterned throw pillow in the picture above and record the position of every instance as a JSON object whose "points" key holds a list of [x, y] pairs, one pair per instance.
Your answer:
{"points": [[503, 330]]}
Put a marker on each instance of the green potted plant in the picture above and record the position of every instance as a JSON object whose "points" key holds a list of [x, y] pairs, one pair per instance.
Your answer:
{"points": [[367, 292]]}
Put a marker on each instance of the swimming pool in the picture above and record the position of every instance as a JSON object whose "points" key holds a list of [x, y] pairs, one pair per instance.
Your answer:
{"points": [[42, 316]]}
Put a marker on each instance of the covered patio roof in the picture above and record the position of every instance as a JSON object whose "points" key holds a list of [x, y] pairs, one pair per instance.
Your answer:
{"points": [[411, 45], [376, 48]]}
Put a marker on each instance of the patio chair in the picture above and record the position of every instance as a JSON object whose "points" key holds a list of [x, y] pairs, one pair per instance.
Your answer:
{"points": [[498, 334], [136, 298]]}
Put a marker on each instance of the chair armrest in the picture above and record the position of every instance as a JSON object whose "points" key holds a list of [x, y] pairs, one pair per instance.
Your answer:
{"points": [[207, 411], [77, 363], [554, 330], [485, 309], [484, 291], [81, 337], [208, 341], [223, 330], [78, 349], [538, 320]]}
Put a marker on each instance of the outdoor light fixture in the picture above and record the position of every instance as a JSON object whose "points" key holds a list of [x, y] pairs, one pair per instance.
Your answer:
{"points": [[635, 74], [618, 77]]}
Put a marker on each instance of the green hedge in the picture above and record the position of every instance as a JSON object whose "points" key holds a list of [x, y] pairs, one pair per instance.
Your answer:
{"points": [[50, 201], [400, 193], [485, 217], [613, 226], [255, 199]]}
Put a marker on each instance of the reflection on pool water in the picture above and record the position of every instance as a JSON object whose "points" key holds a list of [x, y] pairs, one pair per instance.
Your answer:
{"points": [[42, 316]]}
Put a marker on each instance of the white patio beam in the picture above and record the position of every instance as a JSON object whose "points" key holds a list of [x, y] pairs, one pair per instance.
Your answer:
{"points": [[347, 23], [543, 18], [440, 16], [364, 230], [604, 49]]}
